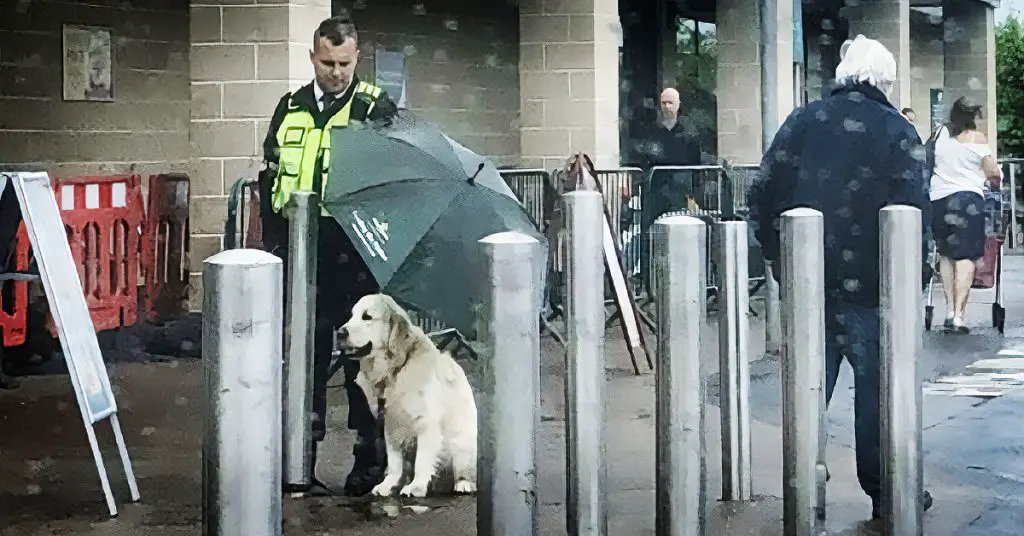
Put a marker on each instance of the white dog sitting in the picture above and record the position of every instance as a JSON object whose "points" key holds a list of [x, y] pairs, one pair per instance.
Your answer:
{"points": [[428, 402]]}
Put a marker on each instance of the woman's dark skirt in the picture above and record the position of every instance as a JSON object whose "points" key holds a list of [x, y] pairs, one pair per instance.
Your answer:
{"points": [[958, 226]]}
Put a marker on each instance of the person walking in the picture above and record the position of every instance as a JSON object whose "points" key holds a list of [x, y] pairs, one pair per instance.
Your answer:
{"points": [[294, 154], [848, 156], [963, 164]]}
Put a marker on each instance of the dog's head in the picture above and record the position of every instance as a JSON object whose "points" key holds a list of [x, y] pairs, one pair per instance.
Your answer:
{"points": [[378, 327]]}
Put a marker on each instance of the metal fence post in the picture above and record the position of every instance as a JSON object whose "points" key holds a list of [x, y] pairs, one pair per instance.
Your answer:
{"points": [[733, 327], [803, 376], [303, 215], [586, 494], [680, 253], [507, 469], [900, 342], [1013, 206], [242, 361]]}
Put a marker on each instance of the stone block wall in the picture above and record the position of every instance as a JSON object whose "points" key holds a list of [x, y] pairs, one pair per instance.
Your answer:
{"points": [[144, 131]]}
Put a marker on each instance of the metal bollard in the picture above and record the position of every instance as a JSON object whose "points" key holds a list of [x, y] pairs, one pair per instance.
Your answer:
{"points": [[803, 370], [586, 493], [900, 346], [507, 469], [733, 328], [303, 216], [242, 362], [680, 253]]}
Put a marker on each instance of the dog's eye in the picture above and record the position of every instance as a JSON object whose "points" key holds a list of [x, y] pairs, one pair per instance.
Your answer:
{"points": [[366, 316]]}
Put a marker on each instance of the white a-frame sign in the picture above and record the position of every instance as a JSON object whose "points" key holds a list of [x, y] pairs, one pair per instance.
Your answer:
{"points": [[71, 317]]}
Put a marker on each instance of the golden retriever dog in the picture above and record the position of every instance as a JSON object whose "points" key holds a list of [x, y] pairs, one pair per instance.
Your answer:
{"points": [[428, 402]]}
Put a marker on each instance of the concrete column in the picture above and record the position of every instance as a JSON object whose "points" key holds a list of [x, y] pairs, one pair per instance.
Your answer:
{"points": [[970, 57], [739, 75], [569, 81], [926, 71], [245, 54], [887, 21]]}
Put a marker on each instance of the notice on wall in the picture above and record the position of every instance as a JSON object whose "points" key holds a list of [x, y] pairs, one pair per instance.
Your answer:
{"points": [[390, 67], [937, 107], [88, 64]]}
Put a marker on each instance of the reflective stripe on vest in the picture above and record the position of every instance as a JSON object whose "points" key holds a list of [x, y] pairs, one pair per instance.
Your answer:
{"points": [[301, 145]]}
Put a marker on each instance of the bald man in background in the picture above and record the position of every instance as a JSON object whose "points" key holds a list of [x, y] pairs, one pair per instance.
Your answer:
{"points": [[667, 143]]}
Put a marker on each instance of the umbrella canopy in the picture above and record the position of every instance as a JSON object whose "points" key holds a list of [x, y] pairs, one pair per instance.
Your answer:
{"points": [[415, 203]]}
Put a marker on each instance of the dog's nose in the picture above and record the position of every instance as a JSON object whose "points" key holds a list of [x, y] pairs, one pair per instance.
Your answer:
{"points": [[343, 333]]}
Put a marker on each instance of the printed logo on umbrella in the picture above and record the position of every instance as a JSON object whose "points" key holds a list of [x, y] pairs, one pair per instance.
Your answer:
{"points": [[372, 233]]}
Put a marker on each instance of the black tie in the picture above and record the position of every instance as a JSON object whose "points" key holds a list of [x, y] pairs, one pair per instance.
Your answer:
{"points": [[328, 99]]}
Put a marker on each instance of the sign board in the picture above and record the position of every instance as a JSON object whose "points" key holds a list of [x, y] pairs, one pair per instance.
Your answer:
{"points": [[390, 67], [70, 314], [938, 108]]}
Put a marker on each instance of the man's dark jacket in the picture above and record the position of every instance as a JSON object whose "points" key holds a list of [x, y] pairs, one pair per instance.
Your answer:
{"points": [[304, 96], [670, 147], [848, 155]]}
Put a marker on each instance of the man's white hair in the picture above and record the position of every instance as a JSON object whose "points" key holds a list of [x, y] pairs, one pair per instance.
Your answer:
{"points": [[866, 61]]}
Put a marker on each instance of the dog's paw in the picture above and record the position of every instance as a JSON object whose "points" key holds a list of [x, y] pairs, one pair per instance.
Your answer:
{"points": [[414, 489], [464, 487], [383, 489]]}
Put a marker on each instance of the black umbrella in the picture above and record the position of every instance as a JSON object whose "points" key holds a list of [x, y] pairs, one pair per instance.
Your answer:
{"points": [[415, 203]]}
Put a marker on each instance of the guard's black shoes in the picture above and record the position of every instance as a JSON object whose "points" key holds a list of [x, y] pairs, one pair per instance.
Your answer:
{"points": [[876, 509], [369, 463]]}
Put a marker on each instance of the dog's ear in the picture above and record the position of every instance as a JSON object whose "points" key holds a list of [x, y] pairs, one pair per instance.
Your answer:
{"points": [[399, 331]]}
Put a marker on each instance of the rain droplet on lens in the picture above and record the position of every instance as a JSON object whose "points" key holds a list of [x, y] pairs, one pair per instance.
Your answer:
{"points": [[419, 9], [451, 24]]}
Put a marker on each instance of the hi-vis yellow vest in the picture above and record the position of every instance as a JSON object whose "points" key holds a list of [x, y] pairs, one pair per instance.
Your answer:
{"points": [[301, 145]]}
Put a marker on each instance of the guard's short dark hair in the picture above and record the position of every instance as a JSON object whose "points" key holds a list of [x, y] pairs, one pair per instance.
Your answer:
{"points": [[908, 110], [963, 116], [337, 29]]}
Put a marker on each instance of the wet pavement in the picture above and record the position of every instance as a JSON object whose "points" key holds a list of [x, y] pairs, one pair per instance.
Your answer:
{"points": [[48, 483]]}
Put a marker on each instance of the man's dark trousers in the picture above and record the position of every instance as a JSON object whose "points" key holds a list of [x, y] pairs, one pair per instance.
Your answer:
{"points": [[852, 331], [342, 279]]}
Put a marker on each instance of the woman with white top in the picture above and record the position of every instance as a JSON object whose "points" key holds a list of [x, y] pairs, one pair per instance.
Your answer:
{"points": [[963, 165]]}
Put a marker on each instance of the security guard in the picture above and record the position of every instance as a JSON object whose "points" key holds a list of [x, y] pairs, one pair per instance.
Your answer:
{"points": [[297, 154]]}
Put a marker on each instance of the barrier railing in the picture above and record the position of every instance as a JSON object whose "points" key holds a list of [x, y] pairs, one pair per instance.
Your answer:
{"points": [[103, 217], [1012, 177], [165, 247], [14, 295], [635, 200]]}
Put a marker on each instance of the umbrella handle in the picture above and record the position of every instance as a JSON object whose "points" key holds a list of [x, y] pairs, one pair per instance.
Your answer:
{"points": [[479, 168]]}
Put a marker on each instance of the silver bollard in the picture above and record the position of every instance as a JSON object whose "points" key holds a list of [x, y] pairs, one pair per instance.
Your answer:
{"points": [[734, 367], [586, 493], [680, 253], [303, 216], [242, 362], [507, 468], [803, 367], [900, 346]]}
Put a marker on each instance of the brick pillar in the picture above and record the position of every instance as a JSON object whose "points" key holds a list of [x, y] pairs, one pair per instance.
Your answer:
{"points": [[244, 56], [970, 57], [887, 21], [569, 81], [739, 75]]}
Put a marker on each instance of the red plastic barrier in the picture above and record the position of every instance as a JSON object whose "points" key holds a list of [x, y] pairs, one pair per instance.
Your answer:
{"points": [[14, 297], [165, 248], [102, 217]]}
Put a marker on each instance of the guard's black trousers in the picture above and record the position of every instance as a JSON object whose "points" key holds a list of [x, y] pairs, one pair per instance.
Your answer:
{"points": [[342, 278]]}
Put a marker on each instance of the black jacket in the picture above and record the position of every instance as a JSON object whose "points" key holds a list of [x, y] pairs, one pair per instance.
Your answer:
{"points": [[275, 226], [848, 156], [669, 147]]}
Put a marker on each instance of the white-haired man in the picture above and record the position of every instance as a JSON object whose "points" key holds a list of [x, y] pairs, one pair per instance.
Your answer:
{"points": [[848, 155]]}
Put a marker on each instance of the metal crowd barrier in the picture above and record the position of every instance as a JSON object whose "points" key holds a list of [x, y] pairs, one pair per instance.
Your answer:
{"points": [[1012, 168], [635, 200]]}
